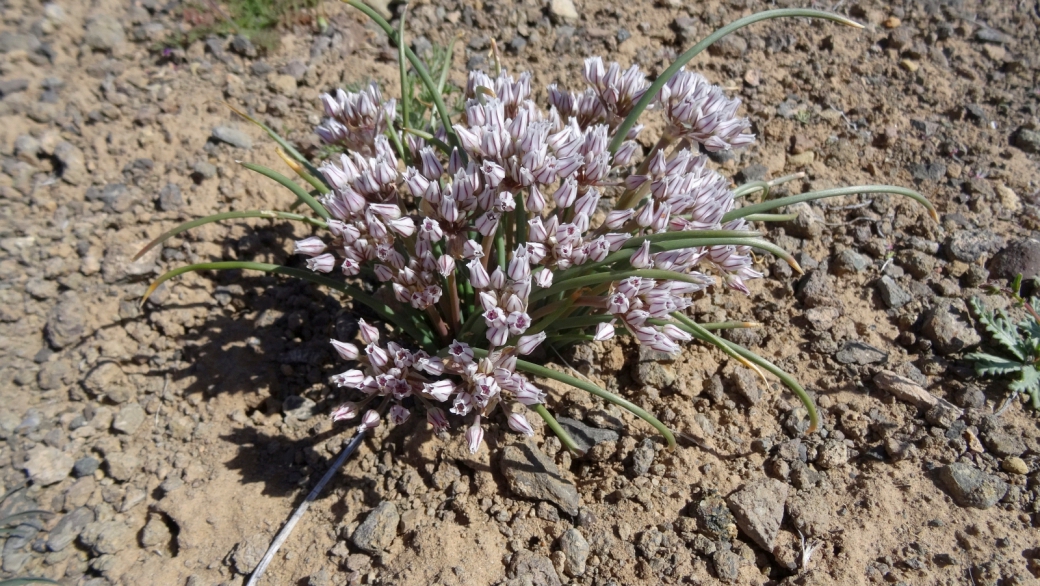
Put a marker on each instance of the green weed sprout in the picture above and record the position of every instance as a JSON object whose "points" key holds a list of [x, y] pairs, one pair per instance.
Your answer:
{"points": [[1018, 344]]}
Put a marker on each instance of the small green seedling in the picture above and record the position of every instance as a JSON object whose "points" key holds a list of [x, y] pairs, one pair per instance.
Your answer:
{"points": [[1020, 344]]}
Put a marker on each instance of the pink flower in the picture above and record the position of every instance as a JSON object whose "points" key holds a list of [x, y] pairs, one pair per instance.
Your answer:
{"points": [[369, 334], [475, 435], [527, 344], [345, 411], [350, 378], [369, 421], [322, 263], [346, 350], [604, 331], [439, 390], [399, 414], [518, 423], [312, 246]]}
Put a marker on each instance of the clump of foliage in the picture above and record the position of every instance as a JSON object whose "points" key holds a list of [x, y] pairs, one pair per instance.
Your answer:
{"points": [[256, 20], [493, 228], [1017, 345]]}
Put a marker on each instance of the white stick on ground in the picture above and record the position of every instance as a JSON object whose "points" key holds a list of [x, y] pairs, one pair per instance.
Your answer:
{"points": [[298, 514]]}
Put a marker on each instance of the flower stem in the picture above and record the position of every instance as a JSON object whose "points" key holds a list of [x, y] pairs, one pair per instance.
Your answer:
{"points": [[565, 438], [685, 58]]}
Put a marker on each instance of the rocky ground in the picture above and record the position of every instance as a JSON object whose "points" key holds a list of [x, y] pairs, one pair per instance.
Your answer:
{"points": [[171, 441]]}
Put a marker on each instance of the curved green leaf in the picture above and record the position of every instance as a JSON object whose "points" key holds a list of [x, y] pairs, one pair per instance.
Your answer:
{"points": [[655, 88], [300, 192], [227, 216], [399, 318], [772, 204]]}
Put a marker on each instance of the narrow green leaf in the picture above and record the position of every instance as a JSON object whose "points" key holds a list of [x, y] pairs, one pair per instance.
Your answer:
{"points": [[289, 148], [655, 88], [771, 217], [400, 319], [227, 216], [773, 204], [788, 380], [447, 64], [537, 370], [550, 421], [420, 68], [406, 96], [300, 192]]}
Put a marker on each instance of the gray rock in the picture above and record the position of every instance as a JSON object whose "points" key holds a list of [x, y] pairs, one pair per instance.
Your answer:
{"points": [[727, 565], [563, 10], [68, 528], [832, 454], [643, 457], [971, 245], [1027, 140], [116, 196], [108, 380], [170, 197], [107, 537], [54, 374], [205, 170], [848, 262], [233, 136], [85, 466], [248, 553], [13, 86], [155, 532], [122, 466], [12, 41], [586, 436], [817, 290], [104, 33], [808, 224], [714, 519], [948, 325], [538, 568], [746, 383], [575, 550], [66, 323], [129, 418], [648, 354], [73, 164], [1018, 258], [243, 46], [971, 487], [47, 465], [933, 171], [1002, 443], [378, 530], [892, 294], [299, 408], [856, 352], [531, 474], [654, 374], [989, 35], [759, 510], [729, 46]]}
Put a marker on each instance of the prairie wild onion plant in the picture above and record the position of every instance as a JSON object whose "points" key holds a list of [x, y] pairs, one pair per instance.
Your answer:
{"points": [[523, 223]]}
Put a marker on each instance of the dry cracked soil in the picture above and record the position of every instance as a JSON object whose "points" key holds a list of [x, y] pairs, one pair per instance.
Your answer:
{"points": [[170, 441]]}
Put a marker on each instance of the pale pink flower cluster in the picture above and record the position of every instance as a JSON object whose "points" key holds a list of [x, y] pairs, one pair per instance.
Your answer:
{"points": [[427, 228]]}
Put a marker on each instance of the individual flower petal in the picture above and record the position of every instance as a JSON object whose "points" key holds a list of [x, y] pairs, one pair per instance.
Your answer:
{"points": [[346, 350], [527, 344], [518, 423], [369, 421], [312, 246], [475, 435], [345, 411]]}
